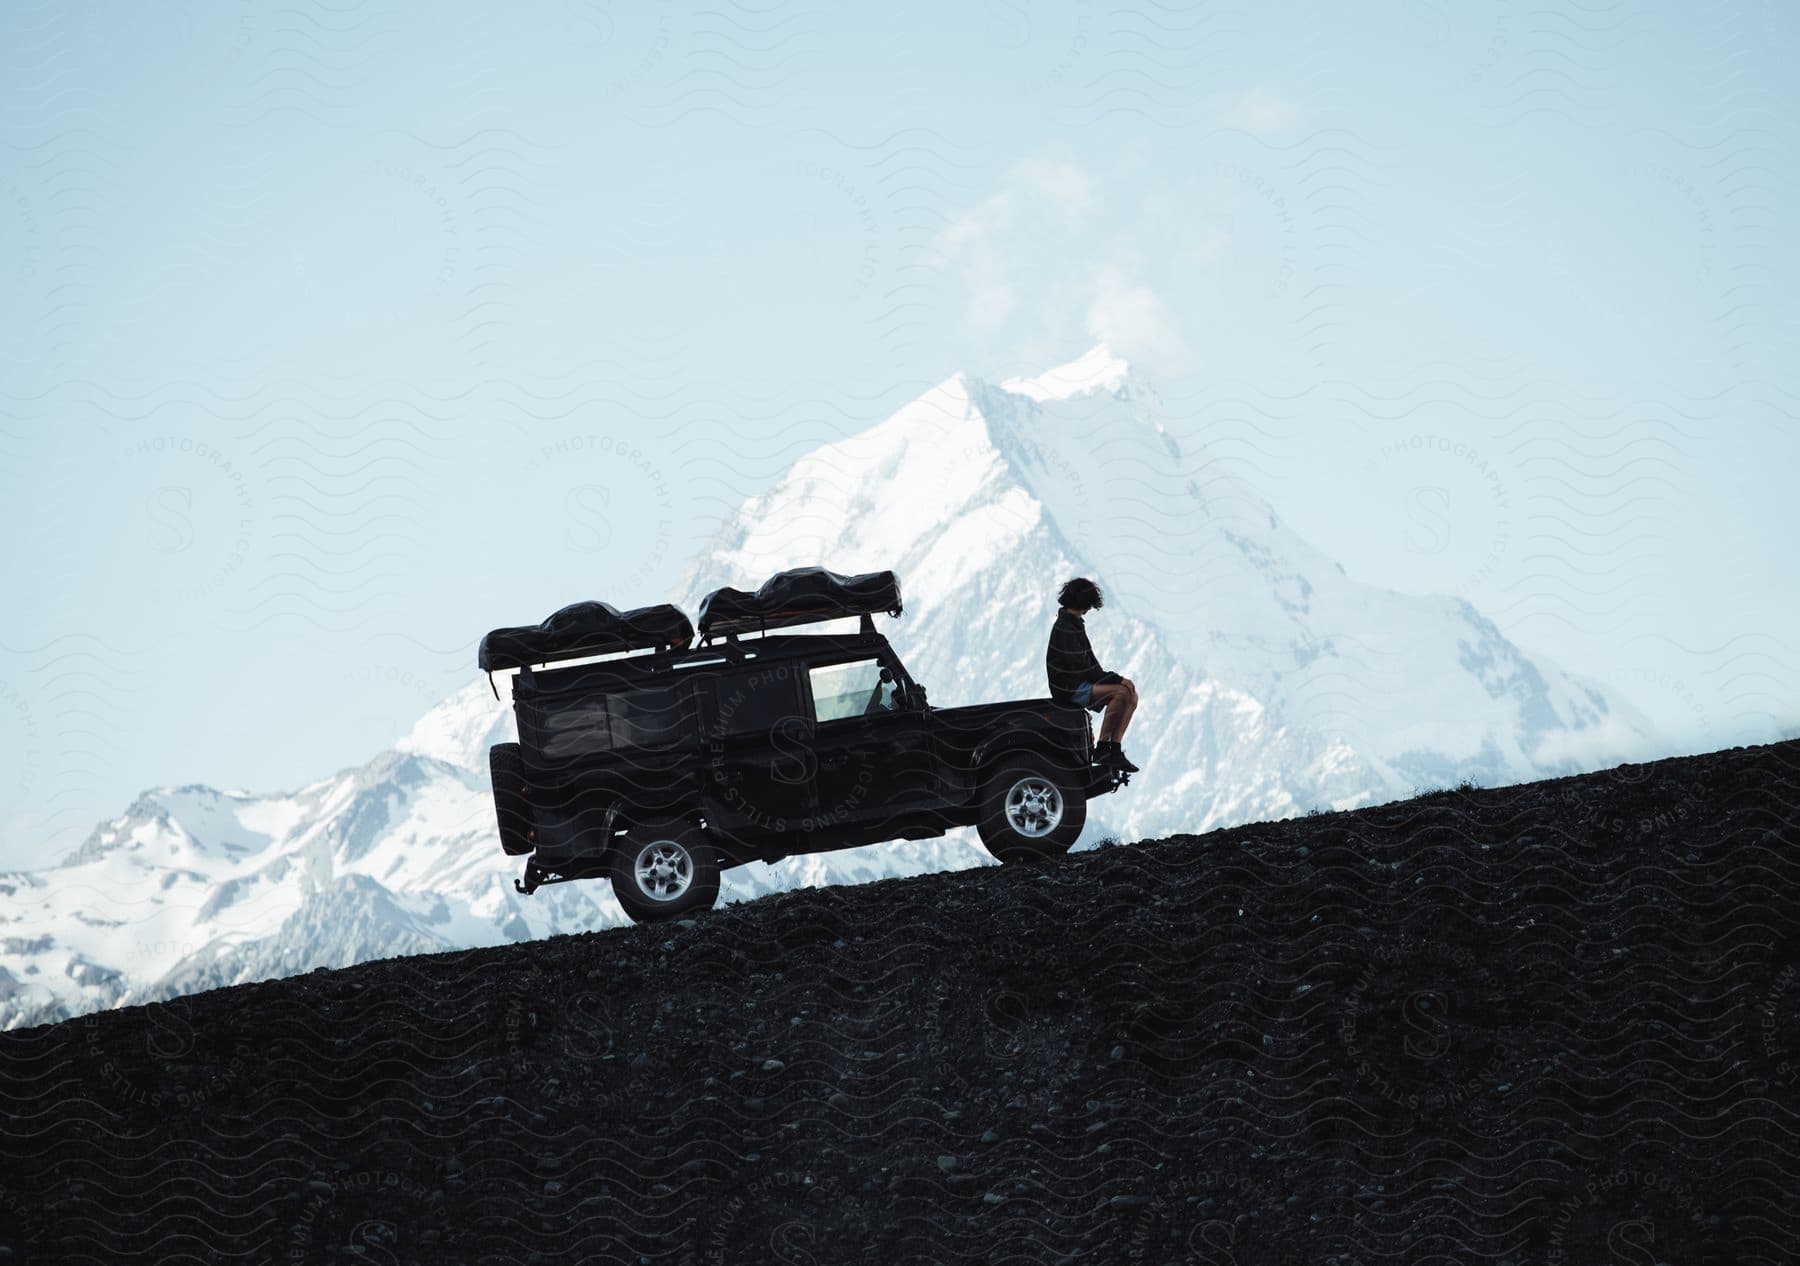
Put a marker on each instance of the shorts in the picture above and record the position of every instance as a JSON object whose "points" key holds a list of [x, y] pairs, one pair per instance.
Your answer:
{"points": [[1084, 695]]}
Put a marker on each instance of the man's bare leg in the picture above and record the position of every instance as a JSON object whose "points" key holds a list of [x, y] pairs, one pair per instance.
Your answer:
{"points": [[1130, 710], [1117, 699]]}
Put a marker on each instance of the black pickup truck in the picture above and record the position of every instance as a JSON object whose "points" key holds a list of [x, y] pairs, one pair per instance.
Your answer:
{"points": [[656, 763]]}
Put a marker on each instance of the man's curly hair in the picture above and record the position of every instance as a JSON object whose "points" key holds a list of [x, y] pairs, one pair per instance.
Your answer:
{"points": [[1081, 594]]}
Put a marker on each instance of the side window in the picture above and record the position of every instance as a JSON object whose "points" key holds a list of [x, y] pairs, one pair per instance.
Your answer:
{"points": [[650, 718], [756, 702], [850, 690], [579, 725], [576, 727]]}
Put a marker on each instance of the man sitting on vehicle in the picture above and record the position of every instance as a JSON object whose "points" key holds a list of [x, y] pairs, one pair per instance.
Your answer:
{"points": [[1077, 678]]}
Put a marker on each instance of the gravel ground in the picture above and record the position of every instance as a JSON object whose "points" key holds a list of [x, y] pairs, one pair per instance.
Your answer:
{"points": [[1556, 1023]]}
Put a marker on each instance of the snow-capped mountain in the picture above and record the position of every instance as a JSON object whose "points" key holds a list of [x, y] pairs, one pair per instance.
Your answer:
{"points": [[1271, 680], [1271, 683]]}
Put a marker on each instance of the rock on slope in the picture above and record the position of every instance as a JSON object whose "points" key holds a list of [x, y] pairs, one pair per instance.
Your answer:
{"points": [[1552, 1022]]}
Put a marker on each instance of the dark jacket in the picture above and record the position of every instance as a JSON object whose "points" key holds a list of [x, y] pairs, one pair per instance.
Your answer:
{"points": [[1069, 659]]}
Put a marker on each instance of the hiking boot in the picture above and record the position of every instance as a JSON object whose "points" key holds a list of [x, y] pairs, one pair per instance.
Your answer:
{"points": [[1110, 755]]}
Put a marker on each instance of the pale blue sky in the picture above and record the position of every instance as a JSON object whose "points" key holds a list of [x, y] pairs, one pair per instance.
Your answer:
{"points": [[334, 336]]}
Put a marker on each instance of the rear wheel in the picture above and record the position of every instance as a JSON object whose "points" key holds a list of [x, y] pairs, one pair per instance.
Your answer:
{"points": [[663, 870], [1030, 811], [506, 770]]}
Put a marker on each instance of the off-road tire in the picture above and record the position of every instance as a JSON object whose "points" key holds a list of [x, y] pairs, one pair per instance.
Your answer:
{"points": [[1017, 776], [679, 843], [506, 767]]}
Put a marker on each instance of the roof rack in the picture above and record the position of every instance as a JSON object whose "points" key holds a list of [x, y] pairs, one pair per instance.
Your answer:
{"points": [[803, 595], [583, 629]]}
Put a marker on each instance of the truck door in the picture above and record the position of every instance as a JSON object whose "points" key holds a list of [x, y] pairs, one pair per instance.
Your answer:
{"points": [[877, 769], [757, 749]]}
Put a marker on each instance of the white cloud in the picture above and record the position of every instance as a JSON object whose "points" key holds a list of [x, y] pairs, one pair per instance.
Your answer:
{"points": [[1061, 183], [977, 242], [1005, 238], [1132, 321], [1027, 255], [1034, 187], [990, 216]]}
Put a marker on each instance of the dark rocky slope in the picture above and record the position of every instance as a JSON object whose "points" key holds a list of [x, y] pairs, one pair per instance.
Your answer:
{"points": [[1549, 1023]]}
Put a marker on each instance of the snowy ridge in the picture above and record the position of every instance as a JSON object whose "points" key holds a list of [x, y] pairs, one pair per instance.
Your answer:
{"points": [[1272, 683], [1098, 370]]}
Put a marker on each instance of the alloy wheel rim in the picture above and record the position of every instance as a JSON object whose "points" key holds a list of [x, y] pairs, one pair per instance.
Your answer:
{"points": [[1034, 807], [664, 869]]}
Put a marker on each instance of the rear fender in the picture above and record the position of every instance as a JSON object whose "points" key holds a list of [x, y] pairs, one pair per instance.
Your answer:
{"points": [[1010, 743]]}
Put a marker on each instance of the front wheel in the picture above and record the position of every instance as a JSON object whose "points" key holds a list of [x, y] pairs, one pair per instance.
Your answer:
{"points": [[663, 870], [1030, 812]]}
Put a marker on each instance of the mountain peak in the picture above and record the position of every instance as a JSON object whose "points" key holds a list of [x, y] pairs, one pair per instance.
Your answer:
{"points": [[1100, 369]]}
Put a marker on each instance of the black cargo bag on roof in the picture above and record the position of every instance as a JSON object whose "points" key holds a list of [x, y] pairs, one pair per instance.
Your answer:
{"points": [[801, 596], [585, 628]]}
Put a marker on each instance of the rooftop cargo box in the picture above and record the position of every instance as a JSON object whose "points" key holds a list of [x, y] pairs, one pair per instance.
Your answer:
{"points": [[804, 595], [585, 628]]}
